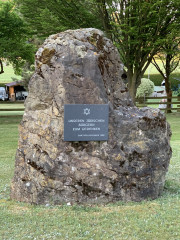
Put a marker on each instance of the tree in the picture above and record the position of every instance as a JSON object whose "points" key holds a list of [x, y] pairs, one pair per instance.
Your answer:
{"points": [[14, 45], [137, 27], [48, 17], [169, 56]]}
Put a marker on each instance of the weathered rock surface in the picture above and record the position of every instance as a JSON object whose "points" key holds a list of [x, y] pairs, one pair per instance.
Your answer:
{"points": [[83, 67]]}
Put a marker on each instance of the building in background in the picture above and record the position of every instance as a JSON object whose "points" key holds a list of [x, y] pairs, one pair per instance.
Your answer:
{"points": [[16, 91]]}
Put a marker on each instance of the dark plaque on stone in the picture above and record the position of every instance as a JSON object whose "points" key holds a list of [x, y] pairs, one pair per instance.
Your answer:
{"points": [[86, 122]]}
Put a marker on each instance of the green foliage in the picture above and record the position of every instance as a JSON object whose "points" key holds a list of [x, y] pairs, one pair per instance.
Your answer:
{"points": [[146, 88], [139, 28], [169, 56], [14, 34], [49, 17], [157, 79]]}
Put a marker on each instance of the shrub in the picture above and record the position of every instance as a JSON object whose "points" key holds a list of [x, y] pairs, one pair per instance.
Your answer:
{"points": [[178, 93], [157, 79], [145, 88]]}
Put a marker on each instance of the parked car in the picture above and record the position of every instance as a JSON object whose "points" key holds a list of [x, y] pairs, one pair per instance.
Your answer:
{"points": [[3, 94], [21, 95], [158, 91]]}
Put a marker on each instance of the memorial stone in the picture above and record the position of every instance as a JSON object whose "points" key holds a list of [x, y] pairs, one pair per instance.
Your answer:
{"points": [[52, 165]]}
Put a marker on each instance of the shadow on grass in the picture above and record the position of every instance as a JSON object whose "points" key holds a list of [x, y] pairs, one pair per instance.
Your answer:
{"points": [[80, 208], [171, 187], [12, 119]]}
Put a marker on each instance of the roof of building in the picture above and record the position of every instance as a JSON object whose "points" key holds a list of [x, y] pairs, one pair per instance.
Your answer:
{"points": [[11, 84]]}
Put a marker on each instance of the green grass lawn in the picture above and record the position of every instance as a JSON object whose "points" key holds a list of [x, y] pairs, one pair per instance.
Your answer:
{"points": [[152, 70], [8, 105], [6, 77], [149, 220]]}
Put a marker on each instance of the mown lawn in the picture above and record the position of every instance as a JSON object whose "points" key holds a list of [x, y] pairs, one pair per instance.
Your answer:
{"points": [[152, 69], [6, 77], [149, 220]]}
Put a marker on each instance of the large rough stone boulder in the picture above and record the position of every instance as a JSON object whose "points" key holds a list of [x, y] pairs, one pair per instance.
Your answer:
{"points": [[83, 67]]}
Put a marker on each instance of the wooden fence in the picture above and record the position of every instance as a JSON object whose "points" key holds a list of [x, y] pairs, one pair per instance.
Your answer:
{"points": [[161, 102], [9, 109], [148, 101]]}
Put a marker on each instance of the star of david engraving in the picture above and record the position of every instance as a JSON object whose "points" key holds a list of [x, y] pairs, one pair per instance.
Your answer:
{"points": [[86, 111]]}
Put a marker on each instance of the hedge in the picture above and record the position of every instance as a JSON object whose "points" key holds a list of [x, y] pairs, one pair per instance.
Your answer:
{"points": [[157, 79]]}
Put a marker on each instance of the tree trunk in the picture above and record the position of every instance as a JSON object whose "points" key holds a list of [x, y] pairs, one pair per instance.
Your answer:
{"points": [[105, 17], [132, 91], [168, 70], [133, 82], [167, 81], [169, 93], [1, 67]]}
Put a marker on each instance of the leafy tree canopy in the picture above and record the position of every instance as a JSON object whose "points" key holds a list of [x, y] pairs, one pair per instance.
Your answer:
{"points": [[138, 28], [14, 45], [47, 17]]}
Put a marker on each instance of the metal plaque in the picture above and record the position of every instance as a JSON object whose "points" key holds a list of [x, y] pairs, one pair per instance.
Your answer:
{"points": [[86, 122]]}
